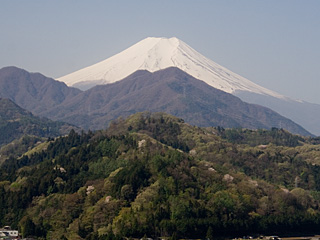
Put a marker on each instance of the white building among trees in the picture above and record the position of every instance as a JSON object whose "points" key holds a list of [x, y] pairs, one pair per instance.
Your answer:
{"points": [[7, 233]]}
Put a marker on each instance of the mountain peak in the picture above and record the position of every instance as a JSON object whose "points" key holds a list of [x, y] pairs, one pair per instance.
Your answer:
{"points": [[172, 40], [157, 53]]}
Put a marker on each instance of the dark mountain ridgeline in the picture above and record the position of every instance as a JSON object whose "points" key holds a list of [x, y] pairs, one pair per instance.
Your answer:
{"points": [[172, 91]]}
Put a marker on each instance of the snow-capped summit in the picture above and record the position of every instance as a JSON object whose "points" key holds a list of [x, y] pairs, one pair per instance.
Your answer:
{"points": [[154, 54]]}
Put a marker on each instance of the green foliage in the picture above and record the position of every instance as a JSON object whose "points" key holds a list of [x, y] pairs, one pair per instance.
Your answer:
{"points": [[16, 122], [275, 136], [162, 127], [154, 176], [19, 146]]}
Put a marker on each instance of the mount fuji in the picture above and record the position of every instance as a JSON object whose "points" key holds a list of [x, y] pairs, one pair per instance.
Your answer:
{"points": [[153, 54]]}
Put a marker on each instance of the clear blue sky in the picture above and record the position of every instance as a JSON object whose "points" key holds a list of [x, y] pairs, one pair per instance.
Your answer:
{"points": [[274, 43]]}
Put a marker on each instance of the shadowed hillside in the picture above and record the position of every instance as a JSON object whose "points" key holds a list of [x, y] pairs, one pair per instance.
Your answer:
{"points": [[16, 122], [172, 91]]}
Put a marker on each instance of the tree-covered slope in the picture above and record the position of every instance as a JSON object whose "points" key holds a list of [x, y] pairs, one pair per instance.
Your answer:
{"points": [[153, 175], [20, 146], [16, 122]]}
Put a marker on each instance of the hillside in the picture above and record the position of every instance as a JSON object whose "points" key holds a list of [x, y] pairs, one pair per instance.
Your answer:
{"points": [[16, 122], [19, 146], [33, 91], [154, 175]]}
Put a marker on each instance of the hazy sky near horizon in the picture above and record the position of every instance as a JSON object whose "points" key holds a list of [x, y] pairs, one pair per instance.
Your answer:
{"points": [[274, 43]]}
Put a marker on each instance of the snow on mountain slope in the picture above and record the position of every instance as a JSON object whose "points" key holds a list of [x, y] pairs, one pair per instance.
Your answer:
{"points": [[154, 54]]}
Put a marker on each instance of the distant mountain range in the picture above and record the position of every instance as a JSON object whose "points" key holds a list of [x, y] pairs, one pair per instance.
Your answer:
{"points": [[304, 113], [153, 54], [170, 90]]}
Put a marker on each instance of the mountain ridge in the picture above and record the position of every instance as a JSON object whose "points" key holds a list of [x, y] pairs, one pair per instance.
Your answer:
{"points": [[96, 107], [173, 91], [33, 91]]}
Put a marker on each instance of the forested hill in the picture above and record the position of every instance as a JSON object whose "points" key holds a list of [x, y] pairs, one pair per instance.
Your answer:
{"points": [[16, 122], [152, 175]]}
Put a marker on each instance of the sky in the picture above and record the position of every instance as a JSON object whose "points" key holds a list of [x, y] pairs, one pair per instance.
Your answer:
{"points": [[274, 43]]}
